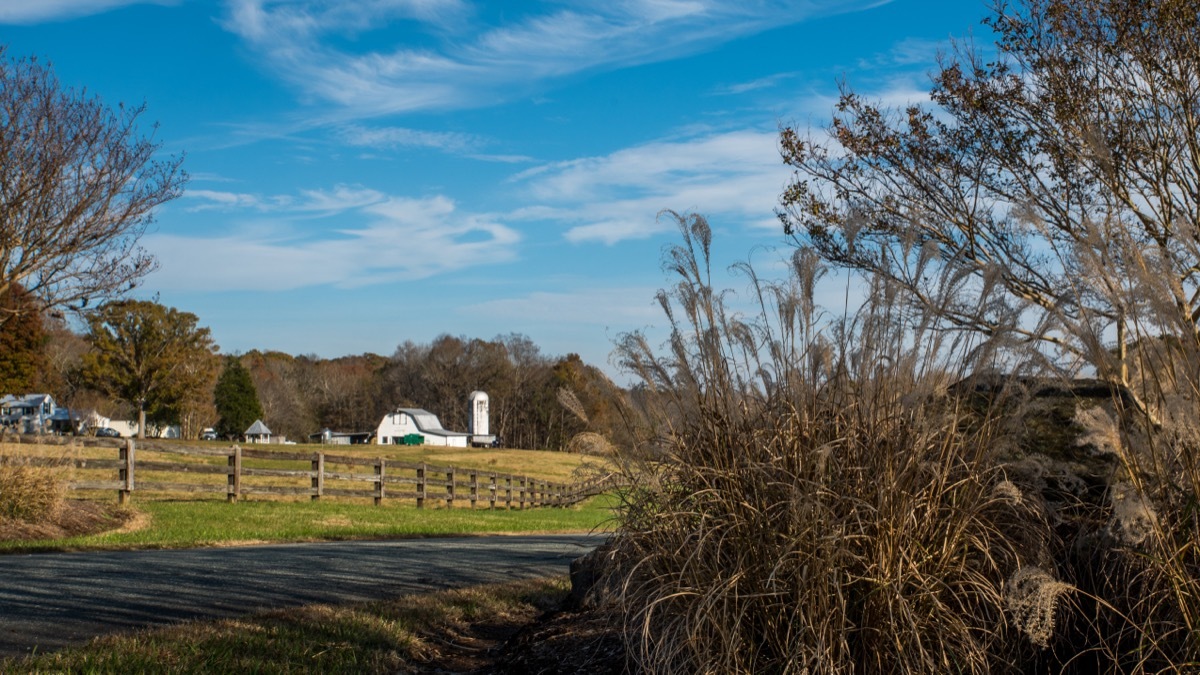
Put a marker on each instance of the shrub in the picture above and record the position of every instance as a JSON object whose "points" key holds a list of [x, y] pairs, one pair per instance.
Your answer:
{"points": [[29, 493]]}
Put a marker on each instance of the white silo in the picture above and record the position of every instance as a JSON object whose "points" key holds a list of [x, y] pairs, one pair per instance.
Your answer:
{"points": [[477, 421]]}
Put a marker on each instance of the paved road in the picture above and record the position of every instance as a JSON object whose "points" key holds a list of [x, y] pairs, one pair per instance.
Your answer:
{"points": [[54, 600]]}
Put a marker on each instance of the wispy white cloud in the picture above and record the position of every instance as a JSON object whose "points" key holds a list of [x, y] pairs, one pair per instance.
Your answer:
{"points": [[391, 138], [340, 198], [376, 238], [767, 82], [38, 11], [221, 199], [735, 175], [462, 60], [907, 52]]}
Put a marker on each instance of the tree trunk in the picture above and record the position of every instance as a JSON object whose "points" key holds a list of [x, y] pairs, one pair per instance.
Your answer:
{"points": [[141, 434]]}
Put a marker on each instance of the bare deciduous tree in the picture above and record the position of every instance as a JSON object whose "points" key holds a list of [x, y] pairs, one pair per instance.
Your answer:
{"points": [[1050, 194], [78, 186]]}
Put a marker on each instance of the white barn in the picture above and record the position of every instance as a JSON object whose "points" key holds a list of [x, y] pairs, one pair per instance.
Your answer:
{"points": [[405, 421]]}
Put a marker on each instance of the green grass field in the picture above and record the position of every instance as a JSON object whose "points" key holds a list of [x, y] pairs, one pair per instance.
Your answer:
{"points": [[180, 524], [178, 519]]}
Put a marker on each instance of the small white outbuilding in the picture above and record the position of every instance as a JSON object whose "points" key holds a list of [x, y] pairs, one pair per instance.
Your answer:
{"points": [[258, 433]]}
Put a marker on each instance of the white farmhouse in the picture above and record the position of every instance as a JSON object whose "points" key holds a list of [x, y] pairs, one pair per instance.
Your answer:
{"points": [[32, 413], [404, 422]]}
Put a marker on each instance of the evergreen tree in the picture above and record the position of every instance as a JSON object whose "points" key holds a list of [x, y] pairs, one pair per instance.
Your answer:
{"points": [[236, 399]]}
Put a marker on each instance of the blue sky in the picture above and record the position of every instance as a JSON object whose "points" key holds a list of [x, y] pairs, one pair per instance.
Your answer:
{"points": [[369, 172]]}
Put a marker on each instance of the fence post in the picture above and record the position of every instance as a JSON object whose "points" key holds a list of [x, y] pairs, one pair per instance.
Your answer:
{"points": [[492, 492], [318, 478], [421, 486], [450, 487], [508, 491], [379, 464], [522, 491], [125, 473], [474, 475], [235, 475]]}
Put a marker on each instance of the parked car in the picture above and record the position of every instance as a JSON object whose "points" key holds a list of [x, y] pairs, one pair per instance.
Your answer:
{"points": [[208, 435], [107, 432]]}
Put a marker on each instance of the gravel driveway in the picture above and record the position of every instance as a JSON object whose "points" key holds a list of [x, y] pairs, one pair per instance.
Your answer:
{"points": [[53, 600]]}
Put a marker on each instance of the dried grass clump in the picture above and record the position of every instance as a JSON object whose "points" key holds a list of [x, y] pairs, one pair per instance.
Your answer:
{"points": [[818, 506], [591, 443], [29, 493]]}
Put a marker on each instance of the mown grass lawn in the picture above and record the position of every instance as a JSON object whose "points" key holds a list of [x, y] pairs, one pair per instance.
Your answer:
{"points": [[183, 524]]}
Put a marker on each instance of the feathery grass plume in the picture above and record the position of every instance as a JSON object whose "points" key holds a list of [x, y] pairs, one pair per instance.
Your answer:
{"points": [[571, 402], [819, 504], [1133, 519], [591, 443], [1099, 430], [1032, 596]]}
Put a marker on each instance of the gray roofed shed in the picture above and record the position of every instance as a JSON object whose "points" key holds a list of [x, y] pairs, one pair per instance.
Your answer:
{"points": [[257, 432]]}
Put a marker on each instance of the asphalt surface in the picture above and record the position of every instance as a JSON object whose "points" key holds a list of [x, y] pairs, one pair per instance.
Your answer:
{"points": [[53, 600]]}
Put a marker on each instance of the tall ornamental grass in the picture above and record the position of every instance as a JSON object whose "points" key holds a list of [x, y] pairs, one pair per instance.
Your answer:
{"points": [[816, 502]]}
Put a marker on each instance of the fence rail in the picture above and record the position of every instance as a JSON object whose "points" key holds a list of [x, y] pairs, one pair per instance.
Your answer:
{"points": [[328, 475]]}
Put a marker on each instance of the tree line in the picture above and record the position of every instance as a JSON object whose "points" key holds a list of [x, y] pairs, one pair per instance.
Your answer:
{"points": [[302, 394], [140, 359]]}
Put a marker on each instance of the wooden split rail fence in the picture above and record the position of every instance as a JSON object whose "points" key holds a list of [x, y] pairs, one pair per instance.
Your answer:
{"points": [[327, 475]]}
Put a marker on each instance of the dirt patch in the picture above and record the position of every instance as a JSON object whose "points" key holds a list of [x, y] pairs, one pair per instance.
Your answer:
{"points": [[540, 638], [553, 643], [75, 518], [586, 641]]}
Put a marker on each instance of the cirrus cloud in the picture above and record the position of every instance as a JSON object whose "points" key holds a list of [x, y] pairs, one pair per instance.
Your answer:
{"points": [[38, 11], [736, 175], [448, 54], [372, 238]]}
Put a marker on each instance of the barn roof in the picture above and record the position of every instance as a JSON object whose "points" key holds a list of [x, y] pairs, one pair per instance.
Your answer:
{"points": [[428, 423]]}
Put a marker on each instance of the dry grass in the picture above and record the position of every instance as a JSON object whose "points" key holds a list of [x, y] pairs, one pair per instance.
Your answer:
{"points": [[33, 503], [820, 505], [541, 465], [444, 631], [29, 493], [838, 495]]}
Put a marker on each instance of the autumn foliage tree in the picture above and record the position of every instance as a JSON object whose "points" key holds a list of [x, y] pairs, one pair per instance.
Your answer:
{"points": [[22, 342], [151, 356], [78, 186]]}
